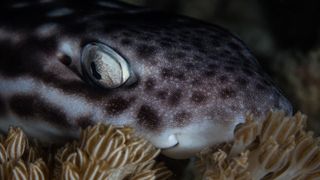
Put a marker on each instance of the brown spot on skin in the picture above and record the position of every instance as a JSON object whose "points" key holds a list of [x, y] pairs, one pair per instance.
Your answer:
{"points": [[149, 84], [117, 105], [3, 108], [65, 59], [148, 118], [182, 118], [145, 51], [31, 106], [84, 122], [162, 94], [227, 93], [174, 98], [198, 97]]}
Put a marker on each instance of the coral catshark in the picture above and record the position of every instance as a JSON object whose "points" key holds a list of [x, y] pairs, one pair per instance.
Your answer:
{"points": [[181, 83]]}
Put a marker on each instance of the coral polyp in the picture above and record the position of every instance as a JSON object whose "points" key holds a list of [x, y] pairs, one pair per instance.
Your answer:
{"points": [[278, 148], [105, 152], [20, 159], [102, 152]]}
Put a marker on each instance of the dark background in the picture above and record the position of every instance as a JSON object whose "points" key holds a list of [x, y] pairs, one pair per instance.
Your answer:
{"points": [[283, 34]]}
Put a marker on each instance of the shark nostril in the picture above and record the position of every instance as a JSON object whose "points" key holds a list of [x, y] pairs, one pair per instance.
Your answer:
{"points": [[94, 71]]}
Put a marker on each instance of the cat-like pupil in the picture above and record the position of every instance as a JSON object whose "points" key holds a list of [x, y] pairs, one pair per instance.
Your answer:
{"points": [[94, 71]]}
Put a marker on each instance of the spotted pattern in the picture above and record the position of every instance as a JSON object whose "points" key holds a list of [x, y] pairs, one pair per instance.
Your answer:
{"points": [[175, 97], [117, 105], [197, 97], [184, 72], [148, 118], [162, 94], [145, 51], [227, 93], [149, 84]]}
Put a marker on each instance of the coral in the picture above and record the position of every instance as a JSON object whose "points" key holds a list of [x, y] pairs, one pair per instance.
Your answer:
{"points": [[103, 152], [279, 147], [19, 159]]}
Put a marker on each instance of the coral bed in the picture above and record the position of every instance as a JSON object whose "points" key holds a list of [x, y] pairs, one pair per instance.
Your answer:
{"points": [[277, 148], [103, 152]]}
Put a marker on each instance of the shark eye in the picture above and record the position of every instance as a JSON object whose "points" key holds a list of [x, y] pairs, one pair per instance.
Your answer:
{"points": [[103, 66]]}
